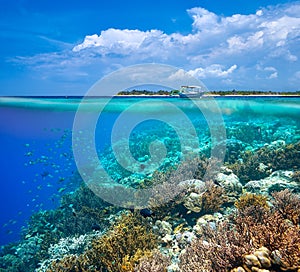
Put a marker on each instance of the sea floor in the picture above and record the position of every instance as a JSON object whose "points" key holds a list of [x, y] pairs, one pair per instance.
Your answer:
{"points": [[155, 184]]}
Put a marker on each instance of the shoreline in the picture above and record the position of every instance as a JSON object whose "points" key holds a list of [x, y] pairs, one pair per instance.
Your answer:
{"points": [[217, 95], [147, 96], [261, 95]]}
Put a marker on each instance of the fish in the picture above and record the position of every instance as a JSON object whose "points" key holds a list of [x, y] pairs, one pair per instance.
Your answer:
{"points": [[60, 190], [146, 212], [61, 179]]}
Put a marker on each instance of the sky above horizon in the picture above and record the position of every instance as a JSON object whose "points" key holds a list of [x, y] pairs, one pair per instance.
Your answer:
{"points": [[63, 48]]}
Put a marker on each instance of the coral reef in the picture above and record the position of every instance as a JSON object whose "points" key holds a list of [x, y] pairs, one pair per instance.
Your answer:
{"points": [[208, 199], [80, 213], [23, 256], [251, 200], [249, 167], [237, 245], [193, 198], [157, 262], [213, 198], [277, 181], [271, 230], [263, 260], [229, 181], [217, 249], [258, 261], [288, 205], [66, 247], [197, 229], [284, 158], [255, 165], [117, 250]]}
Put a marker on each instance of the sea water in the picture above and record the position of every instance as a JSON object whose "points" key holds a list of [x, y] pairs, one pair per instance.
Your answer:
{"points": [[37, 157]]}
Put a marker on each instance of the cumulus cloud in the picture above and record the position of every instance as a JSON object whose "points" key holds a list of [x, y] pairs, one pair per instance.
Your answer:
{"points": [[226, 47], [268, 33], [204, 21], [213, 71], [117, 40]]}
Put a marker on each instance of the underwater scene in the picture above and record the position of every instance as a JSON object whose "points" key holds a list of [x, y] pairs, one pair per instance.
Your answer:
{"points": [[150, 184]]}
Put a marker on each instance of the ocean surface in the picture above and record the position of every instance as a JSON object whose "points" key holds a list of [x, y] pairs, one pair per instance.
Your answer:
{"points": [[38, 137]]}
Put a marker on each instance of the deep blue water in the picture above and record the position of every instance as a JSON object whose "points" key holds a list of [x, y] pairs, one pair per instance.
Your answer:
{"points": [[32, 142], [36, 158]]}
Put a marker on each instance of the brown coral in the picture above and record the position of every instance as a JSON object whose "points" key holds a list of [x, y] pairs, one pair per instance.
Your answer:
{"points": [[236, 246], [213, 198], [269, 229], [118, 250], [217, 250], [288, 204], [157, 262], [70, 263], [249, 199]]}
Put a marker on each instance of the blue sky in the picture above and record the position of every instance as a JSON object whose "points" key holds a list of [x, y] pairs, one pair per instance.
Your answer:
{"points": [[63, 47]]}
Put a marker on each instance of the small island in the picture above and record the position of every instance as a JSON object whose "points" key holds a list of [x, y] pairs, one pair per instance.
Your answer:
{"points": [[145, 92], [175, 93]]}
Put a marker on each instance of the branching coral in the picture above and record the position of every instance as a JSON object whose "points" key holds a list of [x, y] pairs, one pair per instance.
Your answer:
{"points": [[248, 200], [126, 238], [288, 205], [274, 233], [271, 158], [118, 250], [70, 263], [253, 227], [217, 250], [157, 262], [193, 168], [248, 168], [82, 210], [77, 215], [170, 188], [283, 158], [192, 197], [268, 228], [213, 198]]}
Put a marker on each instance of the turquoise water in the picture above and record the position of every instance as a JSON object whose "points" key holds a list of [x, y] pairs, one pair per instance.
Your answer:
{"points": [[39, 135]]}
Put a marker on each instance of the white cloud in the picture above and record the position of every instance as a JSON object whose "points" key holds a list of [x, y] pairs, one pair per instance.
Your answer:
{"points": [[216, 47], [119, 41], [204, 20], [279, 28], [238, 43], [213, 71], [270, 68], [259, 12], [268, 72], [273, 75]]}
